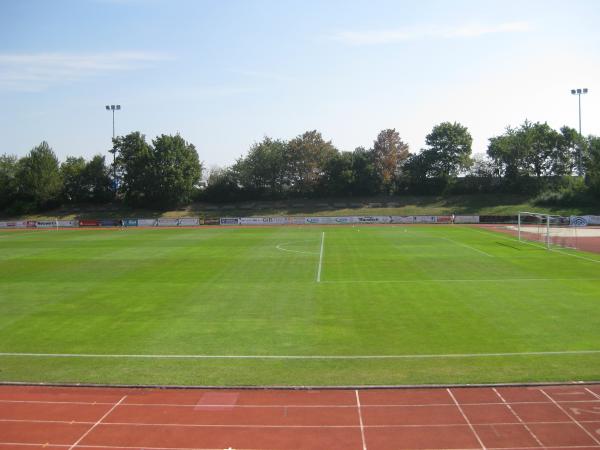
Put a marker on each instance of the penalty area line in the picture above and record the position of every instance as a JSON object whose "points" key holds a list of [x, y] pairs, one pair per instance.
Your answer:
{"points": [[305, 357]]}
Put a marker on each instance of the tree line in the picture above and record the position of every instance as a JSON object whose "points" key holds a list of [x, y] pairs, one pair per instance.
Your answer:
{"points": [[167, 171]]}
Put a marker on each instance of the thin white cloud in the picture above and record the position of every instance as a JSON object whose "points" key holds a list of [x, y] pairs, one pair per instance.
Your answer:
{"points": [[427, 32], [39, 71]]}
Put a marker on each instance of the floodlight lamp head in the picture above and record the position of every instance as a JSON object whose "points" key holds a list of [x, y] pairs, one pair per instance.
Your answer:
{"points": [[118, 106], [113, 106], [107, 108], [579, 91], [573, 91], [585, 90]]}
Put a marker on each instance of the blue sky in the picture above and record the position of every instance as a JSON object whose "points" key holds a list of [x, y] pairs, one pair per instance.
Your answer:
{"points": [[226, 73]]}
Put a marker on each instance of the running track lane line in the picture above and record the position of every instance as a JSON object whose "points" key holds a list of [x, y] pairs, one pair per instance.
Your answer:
{"points": [[320, 258], [325, 357], [360, 420], [98, 422], [466, 418], [514, 413], [571, 417]]}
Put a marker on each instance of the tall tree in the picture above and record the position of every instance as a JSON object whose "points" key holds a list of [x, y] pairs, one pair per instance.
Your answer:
{"points": [[39, 177], [177, 170], [365, 178], [265, 168], [72, 172], [8, 179], [389, 153], [592, 165], [449, 151], [161, 174], [307, 155], [97, 180]]}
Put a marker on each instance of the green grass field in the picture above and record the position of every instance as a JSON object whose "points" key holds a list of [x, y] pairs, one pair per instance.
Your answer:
{"points": [[396, 291]]}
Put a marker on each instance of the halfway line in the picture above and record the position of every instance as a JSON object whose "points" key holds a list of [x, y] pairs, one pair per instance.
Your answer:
{"points": [[422, 356], [320, 258]]}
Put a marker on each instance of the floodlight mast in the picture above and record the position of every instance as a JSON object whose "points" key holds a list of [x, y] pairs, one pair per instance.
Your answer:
{"points": [[579, 92], [113, 108]]}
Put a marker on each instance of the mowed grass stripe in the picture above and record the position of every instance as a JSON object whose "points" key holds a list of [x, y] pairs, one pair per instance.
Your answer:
{"points": [[385, 291]]}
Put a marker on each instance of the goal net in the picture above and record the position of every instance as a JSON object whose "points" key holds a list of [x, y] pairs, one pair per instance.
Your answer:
{"points": [[546, 229]]}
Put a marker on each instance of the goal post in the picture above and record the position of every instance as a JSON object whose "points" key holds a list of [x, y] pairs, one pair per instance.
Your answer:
{"points": [[546, 229]]}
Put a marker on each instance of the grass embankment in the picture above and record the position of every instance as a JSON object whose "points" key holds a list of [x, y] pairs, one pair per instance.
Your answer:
{"points": [[485, 204]]}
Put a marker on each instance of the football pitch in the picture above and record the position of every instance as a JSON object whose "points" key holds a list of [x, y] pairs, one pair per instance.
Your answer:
{"points": [[313, 305]]}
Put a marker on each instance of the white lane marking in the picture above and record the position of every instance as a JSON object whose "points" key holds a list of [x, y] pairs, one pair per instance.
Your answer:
{"points": [[593, 393], [97, 423], [449, 355], [571, 417], [360, 419], [518, 417], [466, 418], [321, 258], [465, 245]]}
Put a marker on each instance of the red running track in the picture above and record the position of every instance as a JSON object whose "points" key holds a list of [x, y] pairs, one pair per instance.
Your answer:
{"points": [[59, 418]]}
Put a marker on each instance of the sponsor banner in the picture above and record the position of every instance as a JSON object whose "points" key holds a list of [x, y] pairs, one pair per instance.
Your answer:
{"points": [[46, 224], [89, 223], [320, 220], [229, 221], [14, 224], [466, 219], [146, 222], [374, 219], [31, 224], [425, 219], [189, 222], [343, 220], [297, 220], [167, 222], [263, 221], [109, 222], [443, 219], [130, 222], [583, 221], [211, 221], [67, 223], [403, 219]]}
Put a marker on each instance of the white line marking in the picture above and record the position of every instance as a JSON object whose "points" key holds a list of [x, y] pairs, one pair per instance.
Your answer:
{"points": [[97, 423], [466, 246], [449, 355], [463, 280], [360, 419], [518, 418], [571, 417], [321, 257], [593, 393], [279, 247], [466, 418]]}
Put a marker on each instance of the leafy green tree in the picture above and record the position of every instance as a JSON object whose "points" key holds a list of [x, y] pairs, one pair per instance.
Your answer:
{"points": [[338, 176], [8, 179], [97, 180], [592, 165], [72, 172], [177, 170], [449, 151], [162, 174], [222, 185], [307, 155], [265, 168], [365, 179], [39, 178], [389, 153], [134, 164]]}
